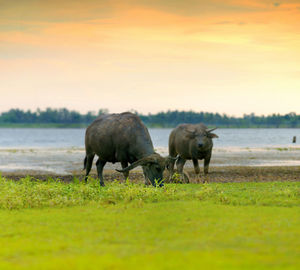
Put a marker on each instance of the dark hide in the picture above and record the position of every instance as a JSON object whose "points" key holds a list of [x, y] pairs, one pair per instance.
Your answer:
{"points": [[190, 142], [122, 138]]}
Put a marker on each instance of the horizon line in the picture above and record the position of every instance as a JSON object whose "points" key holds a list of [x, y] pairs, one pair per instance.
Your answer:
{"points": [[105, 110]]}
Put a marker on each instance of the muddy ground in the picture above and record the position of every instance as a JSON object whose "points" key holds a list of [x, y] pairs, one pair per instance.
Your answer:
{"points": [[217, 174]]}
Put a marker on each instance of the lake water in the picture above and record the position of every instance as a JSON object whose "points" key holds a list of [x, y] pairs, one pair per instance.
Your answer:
{"points": [[15, 138], [62, 151]]}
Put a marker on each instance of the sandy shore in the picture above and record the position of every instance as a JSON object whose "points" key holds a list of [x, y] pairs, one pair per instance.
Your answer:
{"points": [[67, 160], [227, 164]]}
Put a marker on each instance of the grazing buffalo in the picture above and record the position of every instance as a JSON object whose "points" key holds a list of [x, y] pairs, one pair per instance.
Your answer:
{"points": [[122, 138], [190, 142]]}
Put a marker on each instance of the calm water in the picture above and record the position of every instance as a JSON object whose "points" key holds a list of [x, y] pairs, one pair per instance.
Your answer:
{"points": [[66, 138], [61, 151]]}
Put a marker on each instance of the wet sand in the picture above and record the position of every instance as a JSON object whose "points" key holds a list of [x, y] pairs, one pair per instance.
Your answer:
{"points": [[227, 164], [65, 161]]}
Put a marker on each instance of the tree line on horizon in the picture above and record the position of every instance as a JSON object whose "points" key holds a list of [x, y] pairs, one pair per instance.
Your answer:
{"points": [[65, 117]]}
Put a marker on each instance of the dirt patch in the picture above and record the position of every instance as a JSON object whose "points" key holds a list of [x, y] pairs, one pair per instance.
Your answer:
{"points": [[217, 174]]}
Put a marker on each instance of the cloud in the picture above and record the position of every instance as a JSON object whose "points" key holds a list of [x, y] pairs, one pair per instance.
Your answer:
{"points": [[54, 10], [230, 22], [78, 10], [198, 7], [224, 22], [70, 46]]}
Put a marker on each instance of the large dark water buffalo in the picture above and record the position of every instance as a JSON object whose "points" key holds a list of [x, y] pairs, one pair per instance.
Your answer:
{"points": [[122, 138], [190, 142]]}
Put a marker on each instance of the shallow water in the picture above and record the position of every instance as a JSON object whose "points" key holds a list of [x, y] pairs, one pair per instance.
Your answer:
{"points": [[62, 150], [66, 137]]}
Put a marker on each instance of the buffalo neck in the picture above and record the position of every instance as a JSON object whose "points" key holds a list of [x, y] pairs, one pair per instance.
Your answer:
{"points": [[144, 148]]}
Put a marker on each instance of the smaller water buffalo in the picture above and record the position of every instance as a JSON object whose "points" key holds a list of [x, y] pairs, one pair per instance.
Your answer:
{"points": [[193, 142], [122, 138]]}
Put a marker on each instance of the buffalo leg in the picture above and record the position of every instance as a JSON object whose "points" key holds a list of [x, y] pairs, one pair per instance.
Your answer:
{"points": [[206, 164], [124, 165], [171, 169], [147, 181], [180, 164], [100, 164], [172, 153], [89, 163], [196, 166]]}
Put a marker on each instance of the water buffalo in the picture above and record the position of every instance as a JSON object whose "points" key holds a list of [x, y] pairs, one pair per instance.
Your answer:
{"points": [[190, 142], [122, 138]]}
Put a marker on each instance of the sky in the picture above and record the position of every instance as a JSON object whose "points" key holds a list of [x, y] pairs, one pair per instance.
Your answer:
{"points": [[233, 57]]}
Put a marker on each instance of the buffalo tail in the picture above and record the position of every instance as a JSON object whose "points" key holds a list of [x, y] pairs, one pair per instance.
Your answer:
{"points": [[84, 163]]}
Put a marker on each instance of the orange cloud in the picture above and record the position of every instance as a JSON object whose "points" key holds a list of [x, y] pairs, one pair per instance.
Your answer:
{"points": [[204, 47]]}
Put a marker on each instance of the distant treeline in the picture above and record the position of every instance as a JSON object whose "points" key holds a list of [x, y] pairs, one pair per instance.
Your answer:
{"points": [[66, 118]]}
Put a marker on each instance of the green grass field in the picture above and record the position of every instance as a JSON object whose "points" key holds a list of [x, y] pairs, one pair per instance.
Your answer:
{"points": [[55, 225]]}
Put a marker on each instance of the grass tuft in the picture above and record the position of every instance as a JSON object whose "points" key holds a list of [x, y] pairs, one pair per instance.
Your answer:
{"points": [[30, 192]]}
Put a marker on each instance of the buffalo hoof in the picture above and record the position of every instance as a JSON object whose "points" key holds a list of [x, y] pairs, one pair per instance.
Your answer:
{"points": [[197, 170], [185, 177]]}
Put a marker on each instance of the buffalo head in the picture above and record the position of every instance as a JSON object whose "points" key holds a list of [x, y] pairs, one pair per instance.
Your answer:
{"points": [[153, 167], [201, 135]]}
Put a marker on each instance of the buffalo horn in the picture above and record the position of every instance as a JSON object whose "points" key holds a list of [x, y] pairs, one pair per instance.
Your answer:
{"points": [[171, 158], [140, 162], [131, 166], [210, 130]]}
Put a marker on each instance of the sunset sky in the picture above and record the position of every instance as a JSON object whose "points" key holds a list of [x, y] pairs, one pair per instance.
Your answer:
{"points": [[230, 57]]}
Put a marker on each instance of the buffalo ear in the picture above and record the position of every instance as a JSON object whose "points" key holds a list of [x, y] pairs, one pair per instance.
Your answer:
{"points": [[212, 135]]}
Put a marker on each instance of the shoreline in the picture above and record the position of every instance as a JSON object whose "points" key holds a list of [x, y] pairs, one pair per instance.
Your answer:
{"points": [[154, 126], [224, 174], [66, 161]]}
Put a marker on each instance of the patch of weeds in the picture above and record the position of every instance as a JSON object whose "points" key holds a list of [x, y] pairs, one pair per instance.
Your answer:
{"points": [[205, 192], [180, 178], [76, 180], [282, 149], [176, 178], [30, 192]]}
